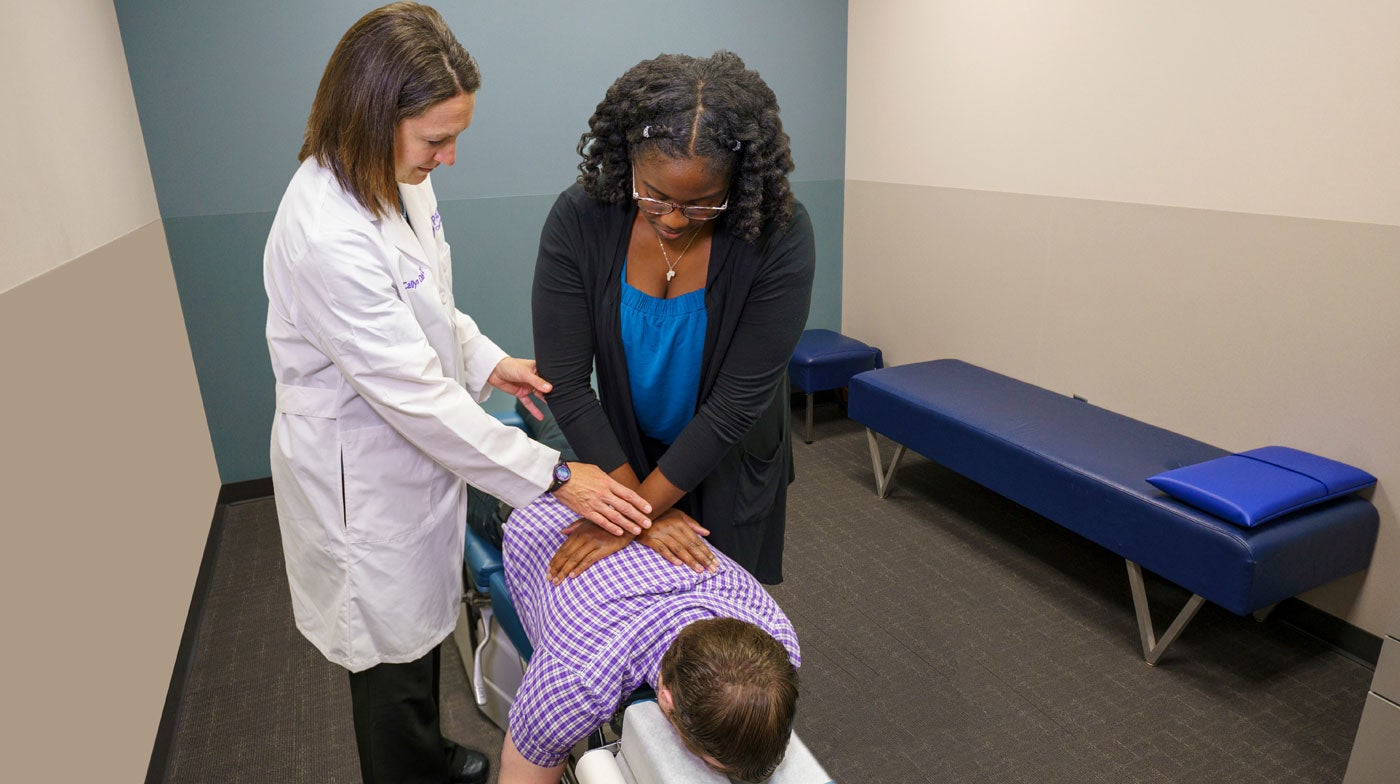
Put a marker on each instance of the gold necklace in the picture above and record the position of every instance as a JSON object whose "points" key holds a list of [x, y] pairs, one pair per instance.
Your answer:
{"points": [[671, 266]]}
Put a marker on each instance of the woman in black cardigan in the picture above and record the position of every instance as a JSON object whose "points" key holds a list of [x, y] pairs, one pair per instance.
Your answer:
{"points": [[682, 266]]}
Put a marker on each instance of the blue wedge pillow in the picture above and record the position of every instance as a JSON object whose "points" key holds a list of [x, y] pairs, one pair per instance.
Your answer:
{"points": [[1254, 487]]}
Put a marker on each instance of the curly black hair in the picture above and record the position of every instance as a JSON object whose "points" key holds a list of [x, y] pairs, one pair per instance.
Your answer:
{"points": [[687, 107]]}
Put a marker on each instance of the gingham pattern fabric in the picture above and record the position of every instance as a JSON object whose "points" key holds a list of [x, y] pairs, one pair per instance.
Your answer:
{"points": [[600, 635]]}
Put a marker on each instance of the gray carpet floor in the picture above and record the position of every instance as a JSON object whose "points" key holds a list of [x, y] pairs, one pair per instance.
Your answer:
{"points": [[948, 635]]}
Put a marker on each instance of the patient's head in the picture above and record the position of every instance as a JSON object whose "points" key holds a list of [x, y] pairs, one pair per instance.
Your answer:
{"points": [[731, 692]]}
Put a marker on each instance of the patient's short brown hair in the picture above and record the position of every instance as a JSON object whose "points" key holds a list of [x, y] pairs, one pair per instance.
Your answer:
{"points": [[734, 691], [392, 65]]}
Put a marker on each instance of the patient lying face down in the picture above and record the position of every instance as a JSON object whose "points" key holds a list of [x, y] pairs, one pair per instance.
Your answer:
{"points": [[720, 653]]}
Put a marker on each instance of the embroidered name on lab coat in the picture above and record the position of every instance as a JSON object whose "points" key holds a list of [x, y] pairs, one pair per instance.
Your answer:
{"points": [[413, 284], [437, 222]]}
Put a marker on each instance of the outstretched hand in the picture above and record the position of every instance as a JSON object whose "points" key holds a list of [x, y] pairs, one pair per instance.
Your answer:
{"points": [[517, 377], [604, 501]]}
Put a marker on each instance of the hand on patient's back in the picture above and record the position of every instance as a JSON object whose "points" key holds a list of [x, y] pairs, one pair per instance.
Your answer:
{"points": [[678, 538], [583, 548], [608, 503]]}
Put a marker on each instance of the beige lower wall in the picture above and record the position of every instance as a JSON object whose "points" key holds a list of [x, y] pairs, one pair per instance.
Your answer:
{"points": [[109, 485], [1240, 330]]}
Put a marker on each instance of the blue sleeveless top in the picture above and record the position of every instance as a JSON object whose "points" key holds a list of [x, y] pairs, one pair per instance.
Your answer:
{"points": [[664, 340]]}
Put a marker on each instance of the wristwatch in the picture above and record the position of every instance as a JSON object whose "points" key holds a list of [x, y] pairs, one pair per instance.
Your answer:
{"points": [[561, 475]]}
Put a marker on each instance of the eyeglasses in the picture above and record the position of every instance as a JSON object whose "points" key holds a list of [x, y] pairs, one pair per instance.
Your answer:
{"points": [[658, 207]]}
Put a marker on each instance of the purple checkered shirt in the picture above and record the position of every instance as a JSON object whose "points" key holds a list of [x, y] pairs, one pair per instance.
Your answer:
{"points": [[600, 635]]}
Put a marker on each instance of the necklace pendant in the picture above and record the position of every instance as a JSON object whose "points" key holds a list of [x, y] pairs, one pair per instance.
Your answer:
{"points": [[670, 274]]}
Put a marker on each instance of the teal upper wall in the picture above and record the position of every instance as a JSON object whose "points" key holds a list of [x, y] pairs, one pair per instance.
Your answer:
{"points": [[223, 89]]}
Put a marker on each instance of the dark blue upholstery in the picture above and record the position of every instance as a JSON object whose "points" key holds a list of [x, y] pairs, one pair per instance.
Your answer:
{"points": [[484, 564], [507, 617], [826, 360], [1085, 468], [487, 570], [483, 560]]}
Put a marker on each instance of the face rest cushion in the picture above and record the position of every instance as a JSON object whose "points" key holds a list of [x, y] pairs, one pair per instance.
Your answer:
{"points": [[1254, 487]]}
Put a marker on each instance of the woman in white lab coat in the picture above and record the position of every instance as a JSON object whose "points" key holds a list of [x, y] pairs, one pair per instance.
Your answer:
{"points": [[378, 426]]}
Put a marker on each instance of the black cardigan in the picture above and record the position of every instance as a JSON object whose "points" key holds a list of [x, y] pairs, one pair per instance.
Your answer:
{"points": [[734, 458]]}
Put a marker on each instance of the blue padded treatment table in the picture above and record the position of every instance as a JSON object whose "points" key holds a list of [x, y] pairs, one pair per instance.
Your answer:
{"points": [[1085, 468], [509, 618], [486, 570], [483, 559]]}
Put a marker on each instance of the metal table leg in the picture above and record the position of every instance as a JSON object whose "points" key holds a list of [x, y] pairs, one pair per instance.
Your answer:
{"points": [[1152, 648], [808, 437], [882, 477]]}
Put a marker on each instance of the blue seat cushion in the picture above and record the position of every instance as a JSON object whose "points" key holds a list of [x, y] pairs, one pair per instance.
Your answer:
{"points": [[487, 570], [1260, 485], [483, 559], [825, 360], [507, 617]]}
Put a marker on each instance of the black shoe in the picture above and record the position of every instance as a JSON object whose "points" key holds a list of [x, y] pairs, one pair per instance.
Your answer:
{"points": [[467, 766]]}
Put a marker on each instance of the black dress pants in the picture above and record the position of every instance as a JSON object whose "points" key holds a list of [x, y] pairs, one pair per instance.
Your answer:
{"points": [[397, 729]]}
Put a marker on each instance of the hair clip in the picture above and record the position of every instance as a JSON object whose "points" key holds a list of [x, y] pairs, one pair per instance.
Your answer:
{"points": [[646, 132], [735, 147]]}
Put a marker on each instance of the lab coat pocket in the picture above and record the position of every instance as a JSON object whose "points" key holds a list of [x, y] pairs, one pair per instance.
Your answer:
{"points": [[306, 472], [391, 487], [303, 457]]}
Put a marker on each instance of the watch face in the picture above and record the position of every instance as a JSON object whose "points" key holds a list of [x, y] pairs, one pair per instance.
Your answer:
{"points": [[562, 473]]}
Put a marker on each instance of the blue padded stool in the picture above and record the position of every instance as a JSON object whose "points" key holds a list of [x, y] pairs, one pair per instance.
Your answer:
{"points": [[826, 360]]}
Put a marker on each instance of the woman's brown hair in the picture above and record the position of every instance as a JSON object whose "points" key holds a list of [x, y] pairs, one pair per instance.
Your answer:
{"points": [[392, 65], [734, 692]]}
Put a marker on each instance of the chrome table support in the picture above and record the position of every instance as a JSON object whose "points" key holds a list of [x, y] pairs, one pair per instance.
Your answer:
{"points": [[1152, 648], [882, 477], [808, 437]]}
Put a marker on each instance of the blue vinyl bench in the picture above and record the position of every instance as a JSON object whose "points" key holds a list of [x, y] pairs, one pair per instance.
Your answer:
{"points": [[826, 360], [1085, 468]]}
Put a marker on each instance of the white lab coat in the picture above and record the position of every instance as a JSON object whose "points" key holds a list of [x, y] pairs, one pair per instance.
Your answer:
{"points": [[379, 378]]}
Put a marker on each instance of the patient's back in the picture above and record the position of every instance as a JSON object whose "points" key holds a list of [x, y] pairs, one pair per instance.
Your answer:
{"points": [[632, 601], [600, 635]]}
